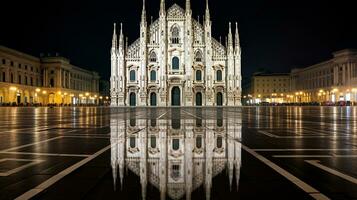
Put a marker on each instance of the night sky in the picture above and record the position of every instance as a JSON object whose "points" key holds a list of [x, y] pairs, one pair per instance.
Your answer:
{"points": [[275, 35]]}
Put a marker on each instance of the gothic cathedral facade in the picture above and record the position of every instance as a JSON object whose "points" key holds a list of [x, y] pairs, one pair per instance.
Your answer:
{"points": [[176, 62]]}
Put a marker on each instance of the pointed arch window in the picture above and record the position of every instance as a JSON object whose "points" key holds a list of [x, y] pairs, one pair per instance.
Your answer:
{"points": [[175, 35], [219, 75], [153, 57], [198, 56], [175, 63], [132, 75]]}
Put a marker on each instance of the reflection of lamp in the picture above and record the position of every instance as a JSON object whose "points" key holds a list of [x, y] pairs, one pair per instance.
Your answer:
{"points": [[13, 88], [38, 90]]}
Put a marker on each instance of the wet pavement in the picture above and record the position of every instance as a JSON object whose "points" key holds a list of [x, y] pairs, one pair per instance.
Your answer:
{"points": [[187, 153]]}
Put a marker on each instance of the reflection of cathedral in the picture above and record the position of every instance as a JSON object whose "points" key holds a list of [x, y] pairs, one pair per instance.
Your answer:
{"points": [[176, 62], [178, 155]]}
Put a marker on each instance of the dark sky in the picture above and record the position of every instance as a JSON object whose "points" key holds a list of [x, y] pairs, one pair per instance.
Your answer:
{"points": [[277, 35]]}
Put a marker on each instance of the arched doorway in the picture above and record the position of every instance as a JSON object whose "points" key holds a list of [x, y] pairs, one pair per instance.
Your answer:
{"points": [[198, 99], [153, 99], [219, 99], [132, 100], [175, 96]]}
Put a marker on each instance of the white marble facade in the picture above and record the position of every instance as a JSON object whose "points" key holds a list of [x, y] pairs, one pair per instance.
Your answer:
{"points": [[176, 155], [176, 62]]}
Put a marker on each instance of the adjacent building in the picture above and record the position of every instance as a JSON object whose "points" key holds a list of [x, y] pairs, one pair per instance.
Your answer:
{"points": [[271, 88], [25, 79], [176, 62], [329, 81]]}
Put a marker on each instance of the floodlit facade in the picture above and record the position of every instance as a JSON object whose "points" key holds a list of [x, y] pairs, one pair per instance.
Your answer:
{"points": [[271, 88], [26, 80], [330, 81], [176, 62], [176, 155]]}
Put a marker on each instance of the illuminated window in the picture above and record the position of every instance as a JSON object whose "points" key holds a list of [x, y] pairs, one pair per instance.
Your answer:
{"points": [[175, 38], [153, 57]]}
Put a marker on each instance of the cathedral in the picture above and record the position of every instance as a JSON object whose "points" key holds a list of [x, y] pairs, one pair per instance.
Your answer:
{"points": [[176, 62]]}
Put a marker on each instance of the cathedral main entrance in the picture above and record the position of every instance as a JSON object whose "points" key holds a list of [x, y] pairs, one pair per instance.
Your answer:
{"points": [[175, 96]]}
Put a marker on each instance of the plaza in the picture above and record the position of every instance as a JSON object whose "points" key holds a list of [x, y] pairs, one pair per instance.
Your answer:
{"points": [[178, 153]]}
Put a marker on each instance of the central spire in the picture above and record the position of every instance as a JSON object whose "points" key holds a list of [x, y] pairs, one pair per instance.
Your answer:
{"points": [[188, 6], [208, 17], [143, 14], [162, 7]]}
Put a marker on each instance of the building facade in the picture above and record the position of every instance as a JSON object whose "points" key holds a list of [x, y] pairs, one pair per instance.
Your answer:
{"points": [[330, 81], [271, 88], [26, 79], [176, 156], [176, 62]]}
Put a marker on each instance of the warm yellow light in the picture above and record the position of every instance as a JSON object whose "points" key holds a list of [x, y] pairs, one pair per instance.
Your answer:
{"points": [[296, 93], [38, 90], [335, 90], [321, 91], [59, 92], [44, 92], [72, 95], [87, 94], [301, 93], [95, 96], [100, 97], [107, 97], [13, 88], [259, 95], [80, 95], [281, 94], [65, 93]]}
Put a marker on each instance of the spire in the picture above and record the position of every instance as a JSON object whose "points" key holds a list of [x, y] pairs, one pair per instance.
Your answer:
{"points": [[237, 42], [230, 37], [114, 40], [162, 7], [188, 6], [121, 36], [208, 16], [143, 13]]}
